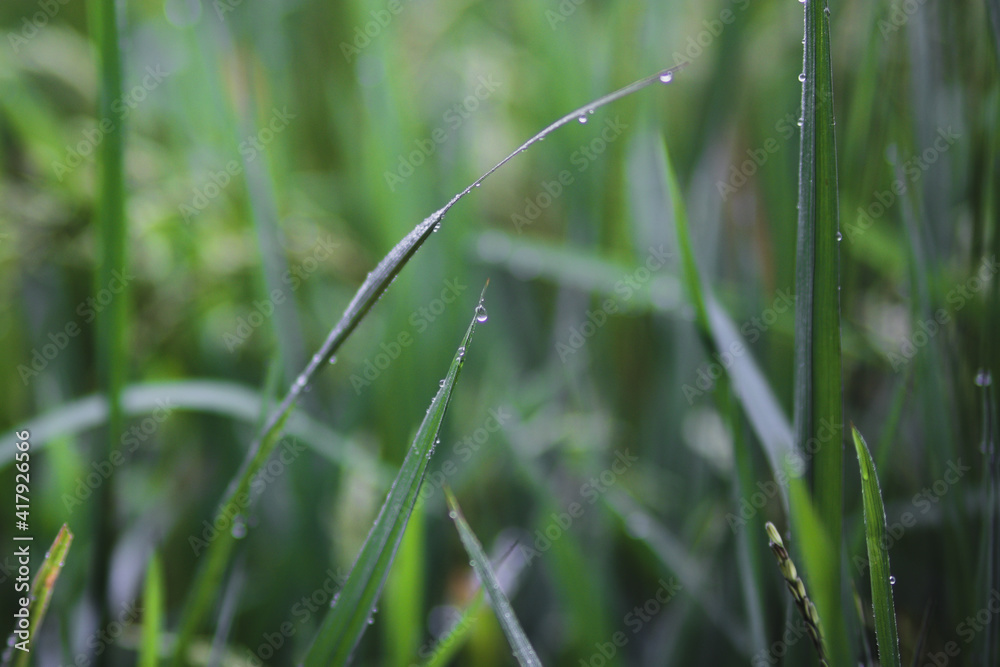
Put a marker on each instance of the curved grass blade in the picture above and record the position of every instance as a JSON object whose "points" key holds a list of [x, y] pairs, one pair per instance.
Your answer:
{"points": [[818, 384], [878, 556], [152, 614], [346, 622], [523, 651], [798, 590], [371, 289], [41, 593]]}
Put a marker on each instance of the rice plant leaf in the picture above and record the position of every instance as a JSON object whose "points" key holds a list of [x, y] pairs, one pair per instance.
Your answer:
{"points": [[152, 614], [818, 385], [523, 651], [203, 589], [41, 593], [719, 334], [878, 556], [346, 622]]}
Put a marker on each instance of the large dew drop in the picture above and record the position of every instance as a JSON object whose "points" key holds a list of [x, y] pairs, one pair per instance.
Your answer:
{"points": [[481, 315], [666, 77]]}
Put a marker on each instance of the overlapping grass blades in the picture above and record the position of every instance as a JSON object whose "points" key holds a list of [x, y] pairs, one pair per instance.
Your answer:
{"points": [[878, 556], [346, 622], [214, 563], [41, 592], [523, 650], [818, 383], [112, 321]]}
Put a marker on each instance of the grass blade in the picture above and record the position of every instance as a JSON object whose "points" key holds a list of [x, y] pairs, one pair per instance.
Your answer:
{"points": [[41, 593], [152, 614], [203, 589], [523, 651], [111, 323], [346, 622], [818, 383], [878, 556]]}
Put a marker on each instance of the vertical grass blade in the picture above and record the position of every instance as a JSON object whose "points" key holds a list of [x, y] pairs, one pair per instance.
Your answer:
{"points": [[878, 556], [346, 622], [111, 343], [818, 385], [152, 614], [41, 593], [523, 650]]}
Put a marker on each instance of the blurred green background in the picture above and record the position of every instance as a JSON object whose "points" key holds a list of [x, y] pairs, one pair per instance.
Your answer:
{"points": [[274, 152]]}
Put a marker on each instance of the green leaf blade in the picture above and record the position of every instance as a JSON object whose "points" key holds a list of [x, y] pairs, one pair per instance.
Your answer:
{"points": [[523, 651], [878, 556], [346, 622]]}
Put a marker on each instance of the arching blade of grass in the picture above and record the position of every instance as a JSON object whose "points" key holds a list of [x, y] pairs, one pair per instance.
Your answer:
{"points": [[210, 572], [41, 593], [818, 385], [152, 614], [878, 556], [347, 620], [523, 650]]}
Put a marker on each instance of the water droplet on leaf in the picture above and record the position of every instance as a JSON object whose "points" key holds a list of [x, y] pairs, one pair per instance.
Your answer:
{"points": [[666, 77], [984, 378], [802, 77], [481, 315], [582, 119]]}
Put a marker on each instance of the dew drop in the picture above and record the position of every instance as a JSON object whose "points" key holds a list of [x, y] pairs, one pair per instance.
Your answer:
{"points": [[333, 360], [437, 226], [461, 350], [799, 122], [481, 314], [983, 378], [666, 77], [453, 514], [892, 580], [840, 236], [582, 119], [802, 77], [239, 529], [441, 383], [478, 184], [826, 10]]}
